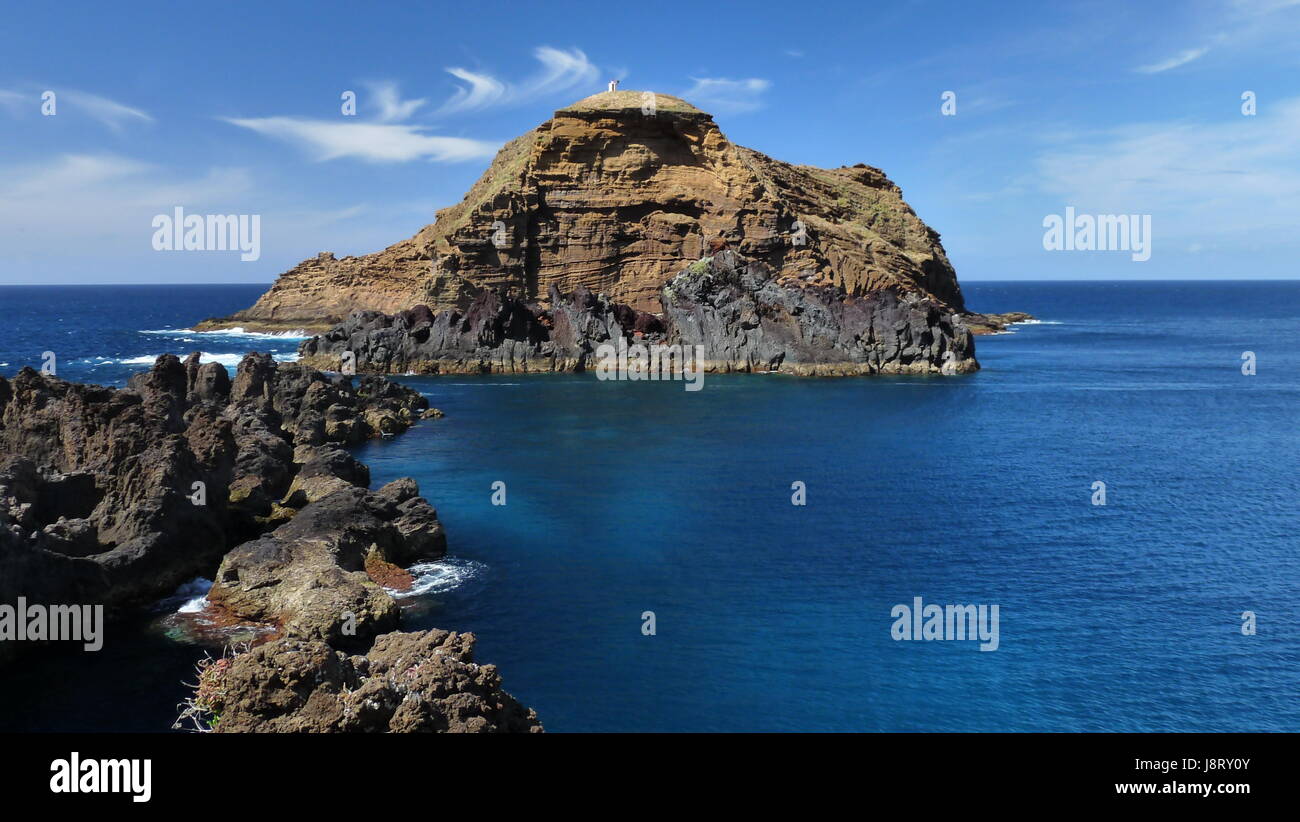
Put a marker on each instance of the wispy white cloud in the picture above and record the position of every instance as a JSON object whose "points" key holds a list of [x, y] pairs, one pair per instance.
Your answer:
{"points": [[89, 218], [1237, 179], [72, 213], [392, 108], [561, 71], [108, 112], [1180, 59], [12, 100], [1254, 7], [70, 172], [389, 139], [372, 142], [727, 96], [480, 91], [984, 104]]}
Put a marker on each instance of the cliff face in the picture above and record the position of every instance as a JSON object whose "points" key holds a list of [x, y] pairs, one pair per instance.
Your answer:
{"points": [[735, 313], [614, 197]]}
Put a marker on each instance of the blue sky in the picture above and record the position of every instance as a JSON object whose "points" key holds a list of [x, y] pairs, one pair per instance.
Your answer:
{"points": [[1108, 107]]}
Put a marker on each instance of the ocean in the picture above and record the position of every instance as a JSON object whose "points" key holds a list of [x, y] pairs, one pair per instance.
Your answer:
{"points": [[625, 499]]}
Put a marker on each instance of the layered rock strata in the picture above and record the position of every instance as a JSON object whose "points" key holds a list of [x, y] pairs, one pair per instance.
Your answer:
{"points": [[612, 195]]}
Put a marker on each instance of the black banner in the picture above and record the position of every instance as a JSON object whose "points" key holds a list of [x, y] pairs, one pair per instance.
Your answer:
{"points": [[974, 771]]}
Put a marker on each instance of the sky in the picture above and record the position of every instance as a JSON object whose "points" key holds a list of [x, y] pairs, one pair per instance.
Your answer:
{"points": [[1106, 108]]}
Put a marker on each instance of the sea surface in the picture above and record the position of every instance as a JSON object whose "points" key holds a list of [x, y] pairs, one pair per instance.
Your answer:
{"points": [[623, 498]]}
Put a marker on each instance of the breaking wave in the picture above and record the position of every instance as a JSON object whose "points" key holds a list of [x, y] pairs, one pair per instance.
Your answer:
{"points": [[297, 334], [440, 576]]}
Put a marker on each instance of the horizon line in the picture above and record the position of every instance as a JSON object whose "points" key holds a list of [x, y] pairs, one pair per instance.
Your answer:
{"points": [[1295, 278]]}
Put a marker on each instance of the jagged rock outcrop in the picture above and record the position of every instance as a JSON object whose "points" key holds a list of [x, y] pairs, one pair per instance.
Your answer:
{"points": [[743, 318], [408, 683], [741, 315], [497, 333], [613, 195], [309, 575], [994, 323], [117, 496]]}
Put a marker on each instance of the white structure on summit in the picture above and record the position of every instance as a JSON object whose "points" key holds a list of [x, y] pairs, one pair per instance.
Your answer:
{"points": [[613, 85]]}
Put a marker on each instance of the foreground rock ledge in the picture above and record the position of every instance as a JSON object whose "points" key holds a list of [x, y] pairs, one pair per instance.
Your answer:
{"points": [[117, 496], [409, 682]]}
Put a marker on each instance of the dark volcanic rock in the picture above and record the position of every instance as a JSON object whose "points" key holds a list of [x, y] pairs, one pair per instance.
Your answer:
{"points": [[744, 319], [743, 316], [407, 683], [98, 486], [117, 496], [497, 333]]}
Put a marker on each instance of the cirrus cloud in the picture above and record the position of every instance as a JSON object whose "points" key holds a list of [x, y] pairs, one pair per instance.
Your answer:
{"points": [[1180, 59], [727, 96], [372, 142], [561, 71]]}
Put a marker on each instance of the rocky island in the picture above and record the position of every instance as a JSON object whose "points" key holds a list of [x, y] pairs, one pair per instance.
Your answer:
{"points": [[618, 206]]}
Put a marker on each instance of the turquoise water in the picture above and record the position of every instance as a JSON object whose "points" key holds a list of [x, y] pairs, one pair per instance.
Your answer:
{"points": [[623, 498]]}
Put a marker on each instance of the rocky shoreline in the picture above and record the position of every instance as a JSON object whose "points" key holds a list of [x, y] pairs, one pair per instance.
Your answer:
{"points": [[740, 314], [115, 497], [994, 323]]}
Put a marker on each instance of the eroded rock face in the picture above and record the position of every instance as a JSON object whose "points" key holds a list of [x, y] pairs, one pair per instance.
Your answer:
{"points": [[497, 333], [612, 195], [407, 683], [118, 496], [745, 318], [742, 315], [309, 575], [98, 505]]}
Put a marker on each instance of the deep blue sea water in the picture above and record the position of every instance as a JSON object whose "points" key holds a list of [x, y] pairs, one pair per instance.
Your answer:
{"points": [[625, 497]]}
